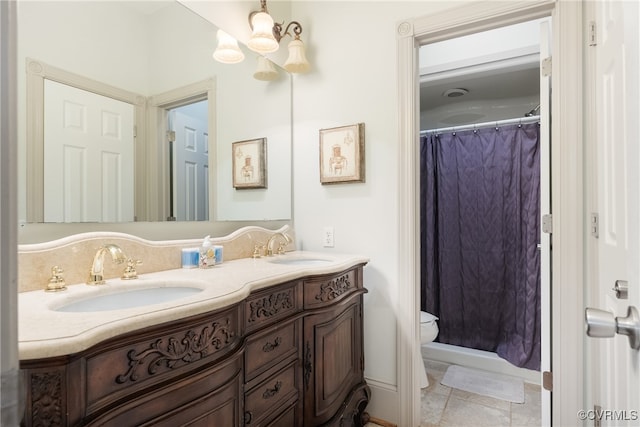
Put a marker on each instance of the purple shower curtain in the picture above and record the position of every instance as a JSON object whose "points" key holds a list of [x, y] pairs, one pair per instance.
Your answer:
{"points": [[480, 193]]}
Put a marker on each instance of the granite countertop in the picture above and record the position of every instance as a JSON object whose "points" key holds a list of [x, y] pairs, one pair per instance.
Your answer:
{"points": [[45, 332]]}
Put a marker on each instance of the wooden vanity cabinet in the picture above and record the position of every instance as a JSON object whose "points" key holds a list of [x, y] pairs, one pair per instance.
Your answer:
{"points": [[288, 355], [186, 370], [335, 392]]}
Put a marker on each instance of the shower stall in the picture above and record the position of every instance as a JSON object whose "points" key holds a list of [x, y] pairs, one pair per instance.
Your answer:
{"points": [[480, 275]]}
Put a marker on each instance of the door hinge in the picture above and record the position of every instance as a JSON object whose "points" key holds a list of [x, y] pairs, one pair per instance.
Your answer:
{"points": [[547, 380], [593, 36], [545, 67], [547, 223], [135, 131], [594, 225], [171, 136]]}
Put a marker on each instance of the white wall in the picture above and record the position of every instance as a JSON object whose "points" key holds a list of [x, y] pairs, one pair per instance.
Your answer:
{"points": [[352, 48]]}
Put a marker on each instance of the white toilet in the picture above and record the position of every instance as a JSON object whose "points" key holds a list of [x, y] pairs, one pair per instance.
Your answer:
{"points": [[428, 332]]}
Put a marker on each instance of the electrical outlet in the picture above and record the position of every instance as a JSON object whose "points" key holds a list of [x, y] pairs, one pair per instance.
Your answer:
{"points": [[327, 237]]}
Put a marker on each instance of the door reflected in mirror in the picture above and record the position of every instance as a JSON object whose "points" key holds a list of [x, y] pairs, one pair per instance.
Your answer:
{"points": [[142, 54], [189, 163], [89, 147]]}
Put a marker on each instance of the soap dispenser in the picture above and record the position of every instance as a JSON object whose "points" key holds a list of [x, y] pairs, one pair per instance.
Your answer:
{"points": [[207, 254]]}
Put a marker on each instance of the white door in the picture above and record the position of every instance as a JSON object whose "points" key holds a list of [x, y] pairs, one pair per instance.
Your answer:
{"points": [[88, 156], [191, 160], [615, 370]]}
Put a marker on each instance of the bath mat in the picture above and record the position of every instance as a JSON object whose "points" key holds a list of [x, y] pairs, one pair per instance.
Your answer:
{"points": [[485, 383]]}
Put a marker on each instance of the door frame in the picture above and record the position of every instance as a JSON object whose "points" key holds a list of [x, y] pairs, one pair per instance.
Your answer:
{"points": [[158, 159], [567, 191]]}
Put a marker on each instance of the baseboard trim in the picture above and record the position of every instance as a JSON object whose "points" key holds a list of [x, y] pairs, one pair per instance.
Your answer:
{"points": [[381, 423], [384, 402]]}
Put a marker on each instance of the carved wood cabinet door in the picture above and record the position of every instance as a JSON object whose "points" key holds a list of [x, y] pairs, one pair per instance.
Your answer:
{"points": [[332, 360]]}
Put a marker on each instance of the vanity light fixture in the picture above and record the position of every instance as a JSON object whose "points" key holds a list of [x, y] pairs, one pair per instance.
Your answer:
{"points": [[228, 51], [266, 36], [265, 70]]}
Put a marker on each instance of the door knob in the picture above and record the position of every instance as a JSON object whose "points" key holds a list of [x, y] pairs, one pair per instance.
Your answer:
{"points": [[602, 324]]}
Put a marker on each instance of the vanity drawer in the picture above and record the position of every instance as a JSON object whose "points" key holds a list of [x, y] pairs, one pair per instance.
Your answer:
{"points": [[276, 390], [265, 307], [326, 290], [289, 417], [208, 397], [270, 347], [124, 366]]}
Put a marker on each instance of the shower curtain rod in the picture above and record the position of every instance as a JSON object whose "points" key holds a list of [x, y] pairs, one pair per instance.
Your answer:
{"points": [[497, 123]]}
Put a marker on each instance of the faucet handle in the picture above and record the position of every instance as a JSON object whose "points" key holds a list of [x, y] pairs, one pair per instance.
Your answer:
{"points": [[130, 271], [56, 281], [256, 250], [281, 246]]}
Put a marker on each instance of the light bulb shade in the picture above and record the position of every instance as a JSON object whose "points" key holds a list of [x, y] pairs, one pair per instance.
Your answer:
{"points": [[262, 39], [266, 70], [297, 61], [228, 51]]}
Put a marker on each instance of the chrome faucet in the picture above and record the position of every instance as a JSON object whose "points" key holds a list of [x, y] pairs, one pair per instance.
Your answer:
{"points": [[96, 274], [285, 240]]}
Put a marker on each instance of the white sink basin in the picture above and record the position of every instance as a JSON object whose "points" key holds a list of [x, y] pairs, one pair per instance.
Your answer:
{"points": [[300, 261], [129, 299]]}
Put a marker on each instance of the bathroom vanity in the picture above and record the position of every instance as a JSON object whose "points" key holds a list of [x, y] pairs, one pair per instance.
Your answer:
{"points": [[268, 342]]}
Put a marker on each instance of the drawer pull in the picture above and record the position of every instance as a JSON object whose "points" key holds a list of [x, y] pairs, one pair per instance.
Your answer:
{"points": [[272, 346], [248, 416], [270, 392]]}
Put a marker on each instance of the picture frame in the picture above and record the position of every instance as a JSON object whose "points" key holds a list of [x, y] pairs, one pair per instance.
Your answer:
{"points": [[249, 160], [342, 154]]}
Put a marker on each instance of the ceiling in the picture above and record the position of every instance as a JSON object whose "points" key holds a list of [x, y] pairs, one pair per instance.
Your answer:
{"points": [[483, 86]]}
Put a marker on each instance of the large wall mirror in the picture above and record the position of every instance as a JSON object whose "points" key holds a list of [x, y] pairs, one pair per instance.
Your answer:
{"points": [[155, 57]]}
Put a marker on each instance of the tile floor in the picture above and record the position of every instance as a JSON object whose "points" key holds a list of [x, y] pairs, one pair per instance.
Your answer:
{"points": [[447, 407]]}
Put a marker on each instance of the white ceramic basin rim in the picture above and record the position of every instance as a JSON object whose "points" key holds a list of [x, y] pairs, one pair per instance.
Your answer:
{"points": [[129, 299]]}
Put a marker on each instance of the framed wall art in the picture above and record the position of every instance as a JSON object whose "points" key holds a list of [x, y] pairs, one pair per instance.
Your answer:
{"points": [[342, 154], [249, 163]]}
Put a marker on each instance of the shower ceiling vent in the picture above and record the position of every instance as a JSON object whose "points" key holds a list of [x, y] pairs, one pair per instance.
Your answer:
{"points": [[455, 92]]}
